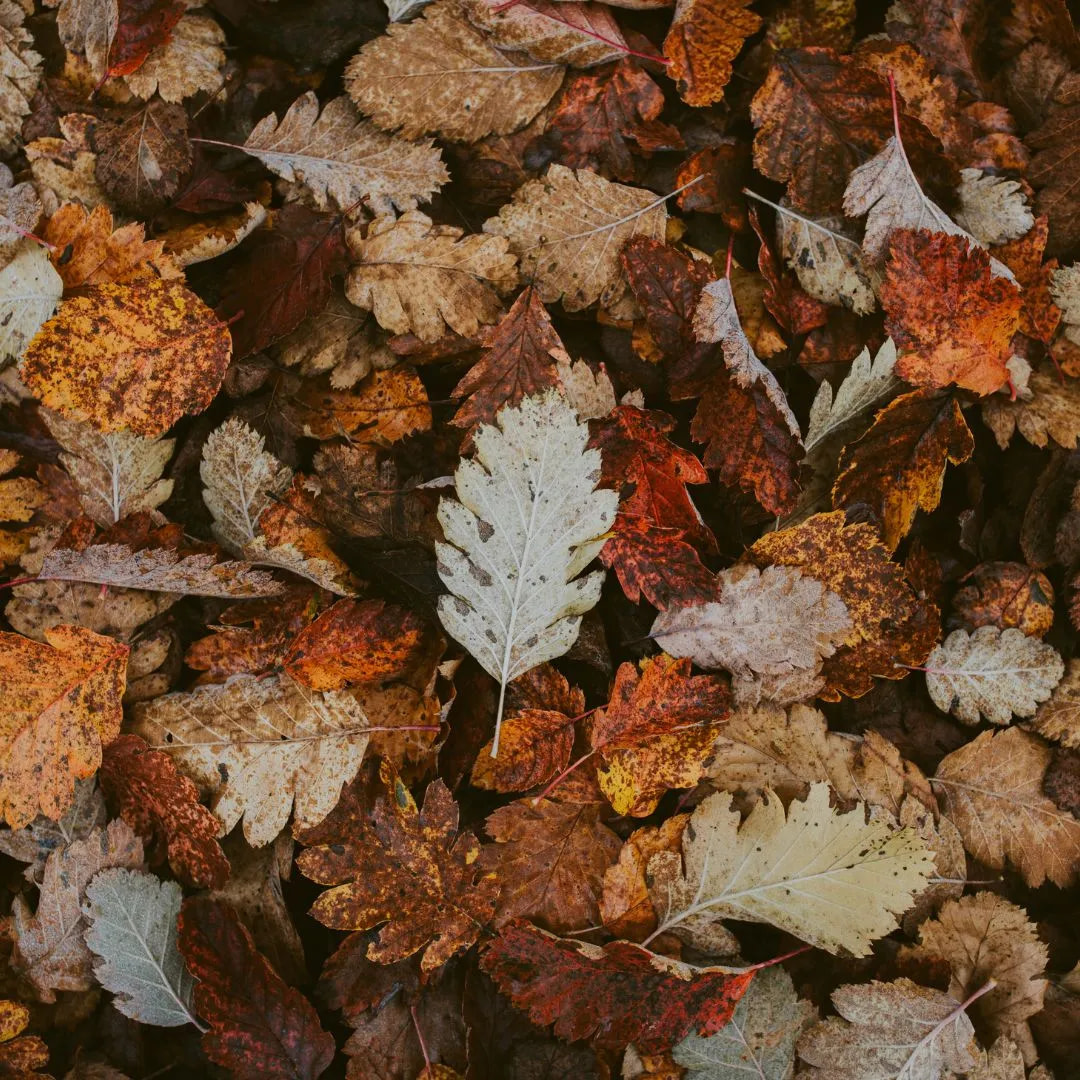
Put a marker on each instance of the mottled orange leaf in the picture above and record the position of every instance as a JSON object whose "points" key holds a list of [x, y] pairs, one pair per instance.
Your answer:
{"points": [[19, 1057], [1040, 316], [1005, 594], [134, 356], [951, 319], [704, 39]]}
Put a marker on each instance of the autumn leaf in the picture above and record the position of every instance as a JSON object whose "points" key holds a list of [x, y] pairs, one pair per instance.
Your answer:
{"points": [[1058, 718], [20, 1054], [22, 72], [163, 808], [951, 319], [190, 61], [259, 1026], [140, 28], [704, 38], [30, 289], [621, 993], [409, 869], [1051, 413]]}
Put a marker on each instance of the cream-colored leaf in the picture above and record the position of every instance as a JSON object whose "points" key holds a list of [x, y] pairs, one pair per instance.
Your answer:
{"points": [[422, 278], [767, 623], [440, 74], [992, 789], [527, 520], [30, 289], [1003, 1061], [20, 73], [992, 208], [991, 673], [1065, 289], [211, 236], [1051, 412], [590, 393], [400, 10], [888, 192], [64, 167], [158, 570], [20, 210], [116, 474], [890, 1031], [568, 229], [240, 480], [342, 158], [261, 748], [1058, 718], [49, 946], [88, 27], [332, 576], [759, 1039], [984, 937], [190, 61], [829, 878]]}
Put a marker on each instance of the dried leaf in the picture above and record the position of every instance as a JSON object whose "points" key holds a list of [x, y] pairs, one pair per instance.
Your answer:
{"points": [[1059, 717], [992, 209], [1052, 412], [1006, 594], [20, 73], [190, 61], [703, 41], [30, 289]]}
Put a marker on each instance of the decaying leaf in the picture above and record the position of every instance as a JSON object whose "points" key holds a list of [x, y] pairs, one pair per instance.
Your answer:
{"points": [[188, 62], [704, 38], [30, 289], [1051, 412], [1059, 717]]}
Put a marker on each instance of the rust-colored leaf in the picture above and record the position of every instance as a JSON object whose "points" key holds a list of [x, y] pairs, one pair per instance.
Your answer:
{"points": [[142, 26], [704, 39], [1005, 594]]}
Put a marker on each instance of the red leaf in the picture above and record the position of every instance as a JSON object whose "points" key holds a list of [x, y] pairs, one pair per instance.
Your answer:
{"points": [[795, 310], [260, 1028], [619, 994], [143, 25]]}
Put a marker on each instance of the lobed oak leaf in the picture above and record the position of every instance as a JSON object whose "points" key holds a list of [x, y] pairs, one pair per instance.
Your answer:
{"points": [[549, 859], [898, 466], [620, 993], [190, 61], [142, 25], [584, 221], [951, 319], [1051, 412], [49, 946], [162, 806], [338, 156], [131, 928], [891, 625], [62, 704], [440, 74], [134, 356], [1006, 594], [656, 732], [261, 747], [890, 1030], [992, 790], [704, 38], [992, 674], [829, 878], [411, 870], [30, 289], [1058, 718], [259, 1026], [422, 278]]}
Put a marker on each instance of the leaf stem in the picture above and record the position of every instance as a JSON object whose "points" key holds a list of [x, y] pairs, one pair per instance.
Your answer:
{"points": [[562, 776]]}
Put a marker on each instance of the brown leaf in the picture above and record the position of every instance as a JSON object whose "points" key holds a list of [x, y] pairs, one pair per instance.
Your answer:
{"points": [[1005, 594], [704, 38]]}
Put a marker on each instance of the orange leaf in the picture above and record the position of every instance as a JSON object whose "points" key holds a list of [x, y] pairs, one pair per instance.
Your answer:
{"points": [[704, 39]]}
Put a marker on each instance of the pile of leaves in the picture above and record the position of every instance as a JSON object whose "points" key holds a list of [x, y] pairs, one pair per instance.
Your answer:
{"points": [[541, 539]]}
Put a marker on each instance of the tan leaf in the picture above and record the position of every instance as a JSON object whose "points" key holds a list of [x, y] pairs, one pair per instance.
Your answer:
{"points": [[338, 156], [261, 748], [1051, 412], [20, 211], [568, 229], [1003, 1061], [30, 289], [422, 278], [64, 168], [49, 946], [992, 673], [188, 62], [984, 937], [1059, 717], [440, 74], [20, 73], [890, 1031], [829, 878], [992, 208], [88, 27], [212, 235], [992, 789], [1065, 290]]}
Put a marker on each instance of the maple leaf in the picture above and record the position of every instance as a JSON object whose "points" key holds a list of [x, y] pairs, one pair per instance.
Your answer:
{"points": [[896, 1030], [759, 1038], [62, 705], [1058, 718], [30, 289], [583, 220], [409, 869], [283, 276], [134, 356], [418, 277], [259, 1026], [980, 938], [531, 488], [188, 62], [992, 674], [440, 74], [49, 946], [951, 319], [704, 38], [338, 156], [1050, 413], [898, 466], [992, 790], [131, 919], [891, 625], [620, 993], [656, 732], [163, 807], [796, 872], [549, 859]]}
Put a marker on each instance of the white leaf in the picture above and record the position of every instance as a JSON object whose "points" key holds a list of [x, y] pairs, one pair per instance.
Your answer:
{"points": [[30, 289], [529, 520], [994, 673], [132, 917], [1065, 289], [992, 208]]}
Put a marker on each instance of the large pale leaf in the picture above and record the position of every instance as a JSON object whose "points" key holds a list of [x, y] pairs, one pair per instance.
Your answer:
{"points": [[829, 878], [992, 208], [338, 156], [529, 520], [30, 289], [132, 929]]}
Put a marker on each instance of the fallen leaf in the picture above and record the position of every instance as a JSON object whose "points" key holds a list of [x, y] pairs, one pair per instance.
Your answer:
{"points": [[1058, 718], [1006, 594], [21, 74], [140, 28], [703, 41], [190, 61], [1052, 412], [992, 208], [21, 1055], [30, 289]]}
